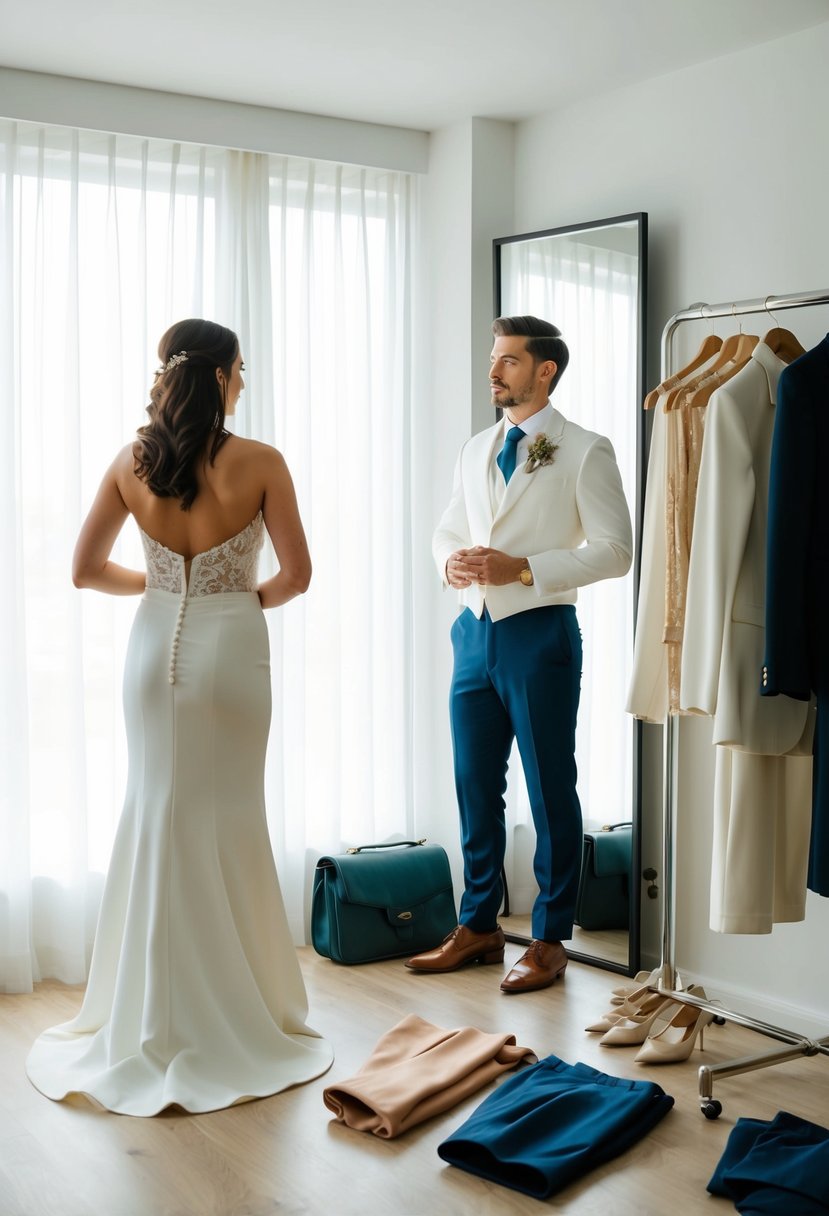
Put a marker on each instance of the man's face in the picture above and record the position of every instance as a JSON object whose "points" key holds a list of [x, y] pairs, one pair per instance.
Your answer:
{"points": [[514, 375]]}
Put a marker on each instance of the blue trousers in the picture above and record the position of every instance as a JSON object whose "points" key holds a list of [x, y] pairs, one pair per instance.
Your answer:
{"points": [[552, 1123], [779, 1168], [518, 679]]}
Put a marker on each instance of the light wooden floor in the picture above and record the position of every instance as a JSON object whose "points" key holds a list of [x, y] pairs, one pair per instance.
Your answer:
{"points": [[286, 1155]]}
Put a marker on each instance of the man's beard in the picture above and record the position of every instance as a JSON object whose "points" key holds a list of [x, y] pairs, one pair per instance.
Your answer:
{"points": [[522, 396]]}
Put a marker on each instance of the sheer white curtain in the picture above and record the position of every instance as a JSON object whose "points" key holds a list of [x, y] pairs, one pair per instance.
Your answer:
{"points": [[341, 741], [105, 241], [590, 292]]}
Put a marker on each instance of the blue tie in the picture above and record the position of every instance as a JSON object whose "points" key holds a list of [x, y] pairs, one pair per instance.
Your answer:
{"points": [[506, 457]]}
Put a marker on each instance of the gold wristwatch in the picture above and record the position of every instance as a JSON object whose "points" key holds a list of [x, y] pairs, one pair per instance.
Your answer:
{"points": [[526, 575]]}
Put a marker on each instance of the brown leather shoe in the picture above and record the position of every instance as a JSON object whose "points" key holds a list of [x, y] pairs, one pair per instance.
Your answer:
{"points": [[538, 967], [461, 946]]}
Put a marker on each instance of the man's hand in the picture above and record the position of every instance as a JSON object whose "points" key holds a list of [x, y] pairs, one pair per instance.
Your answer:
{"points": [[484, 567]]}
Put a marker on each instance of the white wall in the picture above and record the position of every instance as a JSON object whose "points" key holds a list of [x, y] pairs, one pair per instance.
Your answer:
{"points": [[729, 160], [465, 206]]}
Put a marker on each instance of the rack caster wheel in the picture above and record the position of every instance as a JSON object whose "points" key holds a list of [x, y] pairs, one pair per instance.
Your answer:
{"points": [[718, 1021], [712, 1109]]}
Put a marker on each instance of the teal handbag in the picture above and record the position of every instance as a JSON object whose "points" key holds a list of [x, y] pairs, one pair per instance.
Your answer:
{"points": [[603, 901], [382, 901]]}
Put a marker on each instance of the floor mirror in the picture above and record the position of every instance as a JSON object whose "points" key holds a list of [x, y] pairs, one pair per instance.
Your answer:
{"points": [[590, 280]]}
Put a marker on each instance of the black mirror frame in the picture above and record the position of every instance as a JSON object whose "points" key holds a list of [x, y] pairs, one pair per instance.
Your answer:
{"points": [[642, 431]]}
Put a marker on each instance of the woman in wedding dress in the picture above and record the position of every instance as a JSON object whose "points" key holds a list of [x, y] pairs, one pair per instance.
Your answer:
{"points": [[195, 996]]}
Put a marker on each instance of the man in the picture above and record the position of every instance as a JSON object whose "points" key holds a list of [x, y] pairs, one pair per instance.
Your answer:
{"points": [[537, 510]]}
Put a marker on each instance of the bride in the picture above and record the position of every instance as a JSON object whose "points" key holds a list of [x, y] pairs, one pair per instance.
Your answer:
{"points": [[195, 996]]}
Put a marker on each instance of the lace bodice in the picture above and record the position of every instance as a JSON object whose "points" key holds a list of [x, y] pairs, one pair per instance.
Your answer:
{"points": [[230, 566]]}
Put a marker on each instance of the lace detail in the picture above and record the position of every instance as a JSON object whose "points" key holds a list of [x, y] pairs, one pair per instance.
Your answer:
{"points": [[165, 569], [684, 456], [230, 566]]}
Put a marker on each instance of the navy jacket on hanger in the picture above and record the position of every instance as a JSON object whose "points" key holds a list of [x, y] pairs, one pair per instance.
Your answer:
{"points": [[797, 571]]}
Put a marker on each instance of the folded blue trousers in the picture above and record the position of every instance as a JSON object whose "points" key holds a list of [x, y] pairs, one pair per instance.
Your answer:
{"points": [[552, 1123], [779, 1168]]}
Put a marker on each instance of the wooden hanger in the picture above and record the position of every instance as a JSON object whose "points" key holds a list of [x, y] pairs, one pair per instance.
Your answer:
{"points": [[745, 345], [784, 344], [710, 345], [680, 395]]}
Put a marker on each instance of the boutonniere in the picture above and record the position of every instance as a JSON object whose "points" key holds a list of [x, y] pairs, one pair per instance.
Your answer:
{"points": [[541, 451]]}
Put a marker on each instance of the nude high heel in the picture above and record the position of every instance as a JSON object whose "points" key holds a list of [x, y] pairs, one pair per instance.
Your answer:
{"points": [[627, 1008], [634, 1029], [642, 979], [675, 1042]]}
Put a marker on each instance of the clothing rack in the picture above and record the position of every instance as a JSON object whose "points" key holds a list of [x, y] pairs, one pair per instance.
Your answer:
{"points": [[795, 1044]]}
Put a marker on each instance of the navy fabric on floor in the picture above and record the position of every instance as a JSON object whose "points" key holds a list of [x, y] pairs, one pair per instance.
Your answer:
{"points": [[552, 1123], [779, 1168]]}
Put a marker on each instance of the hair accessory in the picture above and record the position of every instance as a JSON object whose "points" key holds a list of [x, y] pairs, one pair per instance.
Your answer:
{"points": [[174, 360]]}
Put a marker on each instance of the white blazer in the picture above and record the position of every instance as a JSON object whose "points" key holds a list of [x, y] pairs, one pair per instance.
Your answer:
{"points": [[648, 692], [723, 643], [569, 518]]}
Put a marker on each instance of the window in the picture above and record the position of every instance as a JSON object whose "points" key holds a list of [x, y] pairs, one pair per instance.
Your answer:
{"points": [[110, 239]]}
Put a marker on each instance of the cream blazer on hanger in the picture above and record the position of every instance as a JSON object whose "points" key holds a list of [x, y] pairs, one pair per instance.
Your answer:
{"points": [[648, 691]]}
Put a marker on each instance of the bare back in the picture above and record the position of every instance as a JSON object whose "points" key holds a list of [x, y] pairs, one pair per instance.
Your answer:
{"points": [[247, 477], [231, 492]]}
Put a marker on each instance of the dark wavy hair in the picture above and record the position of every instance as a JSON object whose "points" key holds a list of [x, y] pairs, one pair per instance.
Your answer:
{"points": [[186, 410], [544, 341]]}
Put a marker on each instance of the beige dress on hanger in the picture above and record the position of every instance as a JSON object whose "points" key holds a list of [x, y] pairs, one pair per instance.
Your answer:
{"points": [[648, 691], [684, 434]]}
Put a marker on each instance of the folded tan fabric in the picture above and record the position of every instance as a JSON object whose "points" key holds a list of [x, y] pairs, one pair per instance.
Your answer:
{"points": [[418, 1070]]}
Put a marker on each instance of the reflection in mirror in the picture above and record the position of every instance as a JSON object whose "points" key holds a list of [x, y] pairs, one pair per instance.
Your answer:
{"points": [[590, 280]]}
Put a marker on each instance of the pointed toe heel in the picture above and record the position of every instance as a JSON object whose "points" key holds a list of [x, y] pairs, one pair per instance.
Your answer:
{"points": [[633, 1030], [626, 1007], [603, 1024], [642, 979], [675, 1042]]}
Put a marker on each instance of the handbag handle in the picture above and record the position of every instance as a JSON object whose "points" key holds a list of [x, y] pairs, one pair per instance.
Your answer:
{"points": [[392, 844], [611, 827]]}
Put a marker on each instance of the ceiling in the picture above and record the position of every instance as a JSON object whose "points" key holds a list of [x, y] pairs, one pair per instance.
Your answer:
{"points": [[422, 65]]}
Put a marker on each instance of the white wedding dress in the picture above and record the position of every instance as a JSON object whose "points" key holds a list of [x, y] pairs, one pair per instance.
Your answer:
{"points": [[195, 996]]}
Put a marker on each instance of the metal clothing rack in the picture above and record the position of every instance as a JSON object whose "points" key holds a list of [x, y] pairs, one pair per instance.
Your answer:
{"points": [[795, 1044]]}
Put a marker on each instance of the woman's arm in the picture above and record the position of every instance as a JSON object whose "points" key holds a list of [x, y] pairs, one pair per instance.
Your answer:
{"points": [[91, 566], [281, 515]]}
